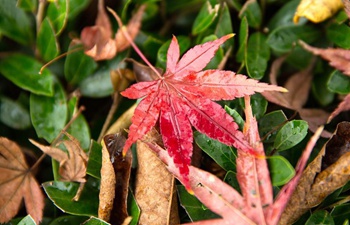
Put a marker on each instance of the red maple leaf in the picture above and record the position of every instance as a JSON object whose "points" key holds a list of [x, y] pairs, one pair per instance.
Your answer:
{"points": [[183, 96]]}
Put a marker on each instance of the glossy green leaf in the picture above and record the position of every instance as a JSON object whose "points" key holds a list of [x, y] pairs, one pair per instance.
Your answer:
{"points": [[251, 10], [339, 35], [339, 83], [231, 179], [270, 124], [290, 134], [222, 154], [299, 58], [79, 128], [320, 91], [49, 114], [69, 220], [95, 160], [23, 71], [194, 208], [97, 85], [62, 193], [236, 116], [341, 213], [284, 15], [184, 43], [259, 105], [219, 55], [282, 39], [224, 26], [28, 5], [205, 18], [57, 12], [320, 217], [76, 6], [13, 114], [258, 54], [281, 171], [148, 43], [28, 220], [78, 66], [243, 40], [95, 221], [46, 41], [15, 23], [133, 209]]}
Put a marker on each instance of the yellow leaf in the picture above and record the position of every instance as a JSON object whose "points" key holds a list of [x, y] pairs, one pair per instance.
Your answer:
{"points": [[317, 10]]}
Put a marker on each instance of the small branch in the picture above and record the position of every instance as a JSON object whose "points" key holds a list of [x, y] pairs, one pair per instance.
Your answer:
{"points": [[40, 14]]}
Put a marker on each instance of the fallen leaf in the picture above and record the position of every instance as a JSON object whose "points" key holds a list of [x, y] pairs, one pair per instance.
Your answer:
{"points": [[182, 96], [17, 182], [343, 106], [317, 10], [154, 187], [316, 182], [347, 7], [72, 164], [337, 57]]}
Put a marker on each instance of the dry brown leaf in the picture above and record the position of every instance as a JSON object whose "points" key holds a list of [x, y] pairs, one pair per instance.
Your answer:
{"points": [[72, 164], [123, 122], [315, 186], [154, 187], [317, 10], [17, 182], [347, 7]]}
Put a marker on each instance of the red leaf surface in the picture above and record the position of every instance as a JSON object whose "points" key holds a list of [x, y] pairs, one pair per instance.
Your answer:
{"points": [[183, 96]]}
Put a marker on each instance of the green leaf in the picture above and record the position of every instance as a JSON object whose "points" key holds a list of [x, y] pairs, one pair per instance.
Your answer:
{"points": [[339, 35], [290, 135], [23, 71], [243, 40], [224, 26], [62, 193], [258, 54], [79, 128], [341, 213], [95, 160], [339, 83], [320, 91], [133, 209], [251, 10], [299, 58], [281, 171], [236, 116], [15, 23], [194, 208], [28, 220], [270, 124], [78, 66], [57, 12], [222, 154], [28, 5], [69, 220], [13, 114], [205, 18], [49, 114], [76, 6], [46, 41], [95, 221], [259, 105], [282, 39], [97, 85], [148, 44], [321, 217], [184, 43], [219, 55]]}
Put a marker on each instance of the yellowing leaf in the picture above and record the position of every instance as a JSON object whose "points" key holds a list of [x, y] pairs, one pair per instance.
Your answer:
{"points": [[317, 10], [16, 183]]}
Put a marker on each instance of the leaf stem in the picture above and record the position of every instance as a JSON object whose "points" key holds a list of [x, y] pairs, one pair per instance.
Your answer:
{"points": [[127, 36]]}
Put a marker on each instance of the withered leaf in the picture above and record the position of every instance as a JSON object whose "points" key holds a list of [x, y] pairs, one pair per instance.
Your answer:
{"points": [[72, 164], [17, 182], [318, 181], [347, 7], [154, 186]]}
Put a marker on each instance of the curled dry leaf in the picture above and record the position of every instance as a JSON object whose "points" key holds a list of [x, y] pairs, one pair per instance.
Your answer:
{"points": [[97, 40], [154, 186], [315, 186], [317, 10], [17, 182], [72, 164]]}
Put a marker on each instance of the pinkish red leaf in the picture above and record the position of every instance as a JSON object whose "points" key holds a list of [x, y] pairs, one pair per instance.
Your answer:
{"points": [[182, 96], [343, 106]]}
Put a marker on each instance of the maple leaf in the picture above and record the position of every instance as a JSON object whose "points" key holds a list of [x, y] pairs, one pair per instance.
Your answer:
{"points": [[16, 183], [184, 96], [72, 165]]}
